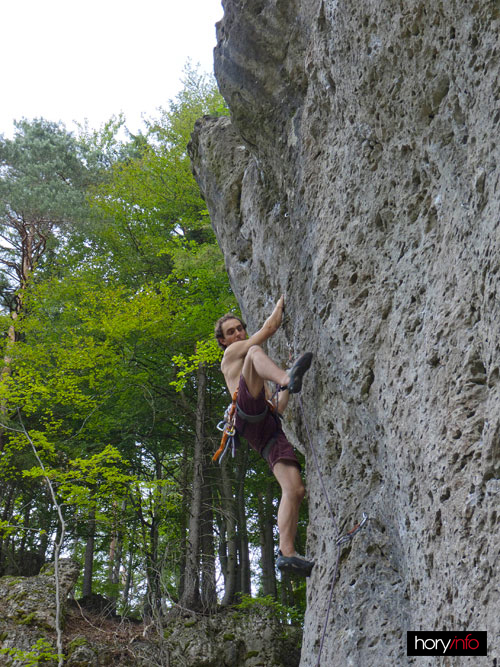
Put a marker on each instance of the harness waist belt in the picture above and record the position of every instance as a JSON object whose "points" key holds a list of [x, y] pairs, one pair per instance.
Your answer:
{"points": [[252, 419]]}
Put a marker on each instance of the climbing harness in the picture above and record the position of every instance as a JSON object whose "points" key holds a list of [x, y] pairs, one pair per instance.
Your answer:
{"points": [[230, 436]]}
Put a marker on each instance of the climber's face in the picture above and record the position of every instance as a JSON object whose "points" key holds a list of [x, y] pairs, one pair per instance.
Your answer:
{"points": [[232, 330]]}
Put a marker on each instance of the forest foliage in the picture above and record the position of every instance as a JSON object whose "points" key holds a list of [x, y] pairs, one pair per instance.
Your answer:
{"points": [[110, 283]]}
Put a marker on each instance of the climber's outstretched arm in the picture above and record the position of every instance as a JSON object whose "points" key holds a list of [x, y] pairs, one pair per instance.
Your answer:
{"points": [[239, 348]]}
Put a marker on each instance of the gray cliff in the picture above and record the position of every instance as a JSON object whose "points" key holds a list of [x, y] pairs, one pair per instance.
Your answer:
{"points": [[359, 176], [92, 638]]}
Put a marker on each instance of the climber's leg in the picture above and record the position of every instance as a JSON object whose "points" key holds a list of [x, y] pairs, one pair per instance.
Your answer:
{"points": [[292, 494], [258, 368], [292, 487]]}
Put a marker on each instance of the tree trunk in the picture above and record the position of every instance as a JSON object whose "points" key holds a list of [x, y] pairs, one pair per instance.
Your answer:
{"points": [[222, 529], [46, 524], [43, 546], [208, 584], [88, 566], [6, 516], [191, 593], [286, 592], [23, 271], [128, 578], [153, 594], [244, 560], [6, 370], [59, 529], [115, 577], [266, 529], [228, 508], [26, 523], [115, 556], [186, 494]]}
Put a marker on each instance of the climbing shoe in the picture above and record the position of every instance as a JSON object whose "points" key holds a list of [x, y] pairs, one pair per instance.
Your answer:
{"points": [[294, 565], [296, 373]]}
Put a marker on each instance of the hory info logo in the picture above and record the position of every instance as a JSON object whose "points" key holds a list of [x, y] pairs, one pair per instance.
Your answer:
{"points": [[446, 643]]}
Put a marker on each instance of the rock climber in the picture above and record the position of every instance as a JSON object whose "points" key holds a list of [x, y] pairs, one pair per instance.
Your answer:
{"points": [[246, 368]]}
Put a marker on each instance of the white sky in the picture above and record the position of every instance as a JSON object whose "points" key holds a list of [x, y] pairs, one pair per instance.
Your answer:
{"points": [[74, 60]]}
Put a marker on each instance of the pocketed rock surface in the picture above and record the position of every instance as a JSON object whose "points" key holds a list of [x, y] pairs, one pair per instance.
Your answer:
{"points": [[359, 176]]}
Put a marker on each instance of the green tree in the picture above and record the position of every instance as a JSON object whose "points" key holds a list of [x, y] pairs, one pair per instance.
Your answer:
{"points": [[115, 375], [43, 182]]}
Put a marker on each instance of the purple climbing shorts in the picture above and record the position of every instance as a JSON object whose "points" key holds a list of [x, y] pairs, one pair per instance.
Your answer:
{"points": [[259, 433]]}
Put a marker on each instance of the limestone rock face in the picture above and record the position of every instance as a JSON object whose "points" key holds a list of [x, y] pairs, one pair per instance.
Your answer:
{"points": [[28, 608], [359, 176], [31, 600], [249, 638], [233, 638]]}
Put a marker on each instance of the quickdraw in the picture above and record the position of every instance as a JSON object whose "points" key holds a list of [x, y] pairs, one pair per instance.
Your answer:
{"points": [[350, 534], [229, 438]]}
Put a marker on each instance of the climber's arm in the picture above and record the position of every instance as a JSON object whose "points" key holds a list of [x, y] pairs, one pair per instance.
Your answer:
{"points": [[239, 349]]}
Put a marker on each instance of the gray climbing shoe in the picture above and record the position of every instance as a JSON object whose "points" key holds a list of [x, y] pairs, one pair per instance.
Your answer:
{"points": [[296, 373], [294, 565]]}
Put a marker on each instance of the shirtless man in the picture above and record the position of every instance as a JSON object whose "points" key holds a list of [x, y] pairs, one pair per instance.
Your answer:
{"points": [[247, 367]]}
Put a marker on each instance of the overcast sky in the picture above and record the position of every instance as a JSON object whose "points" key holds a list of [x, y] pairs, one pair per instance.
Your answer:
{"points": [[70, 60]]}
